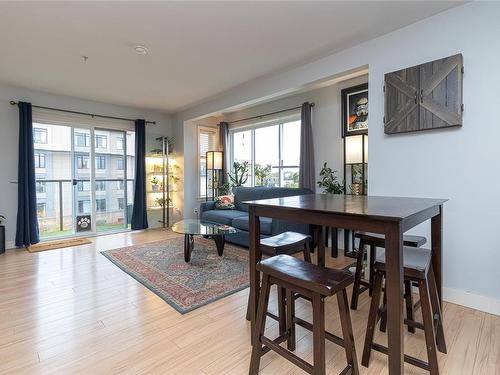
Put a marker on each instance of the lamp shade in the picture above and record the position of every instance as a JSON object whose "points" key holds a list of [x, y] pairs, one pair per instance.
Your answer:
{"points": [[354, 149], [214, 159]]}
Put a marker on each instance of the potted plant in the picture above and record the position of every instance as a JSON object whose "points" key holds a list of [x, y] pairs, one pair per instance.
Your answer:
{"points": [[157, 168], [261, 173], [155, 184], [162, 201], [239, 175], [329, 181]]}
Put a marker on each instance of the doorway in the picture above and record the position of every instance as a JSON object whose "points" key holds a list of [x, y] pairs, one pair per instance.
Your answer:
{"points": [[84, 179]]}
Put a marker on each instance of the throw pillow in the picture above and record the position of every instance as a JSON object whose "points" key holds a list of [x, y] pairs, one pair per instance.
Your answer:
{"points": [[224, 202]]}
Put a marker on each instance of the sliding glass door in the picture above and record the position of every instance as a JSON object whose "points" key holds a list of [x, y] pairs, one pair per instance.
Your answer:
{"points": [[84, 179]]}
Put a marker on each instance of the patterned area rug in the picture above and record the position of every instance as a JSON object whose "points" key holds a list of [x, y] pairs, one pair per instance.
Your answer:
{"points": [[160, 267]]}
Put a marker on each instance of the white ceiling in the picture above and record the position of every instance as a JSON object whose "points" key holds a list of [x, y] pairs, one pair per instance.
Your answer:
{"points": [[196, 49]]}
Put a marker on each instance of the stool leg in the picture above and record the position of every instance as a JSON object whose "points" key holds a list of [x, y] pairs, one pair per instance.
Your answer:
{"points": [[307, 252], [281, 310], [290, 314], [436, 308], [357, 275], [409, 304], [428, 327], [372, 318], [373, 254], [260, 325], [383, 318], [345, 321], [319, 361]]}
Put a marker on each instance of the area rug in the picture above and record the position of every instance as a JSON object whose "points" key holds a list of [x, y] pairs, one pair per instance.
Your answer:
{"points": [[44, 246], [160, 267]]}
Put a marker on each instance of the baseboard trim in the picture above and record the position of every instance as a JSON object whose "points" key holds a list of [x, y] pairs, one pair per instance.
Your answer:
{"points": [[474, 301], [10, 245]]}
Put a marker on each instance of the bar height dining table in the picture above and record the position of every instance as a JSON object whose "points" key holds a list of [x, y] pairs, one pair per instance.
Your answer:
{"points": [[391, 216]]}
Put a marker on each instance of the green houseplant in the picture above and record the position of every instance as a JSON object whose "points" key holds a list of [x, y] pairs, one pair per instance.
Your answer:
{"points": [[239, 174], [261, 172], [329, 181]]}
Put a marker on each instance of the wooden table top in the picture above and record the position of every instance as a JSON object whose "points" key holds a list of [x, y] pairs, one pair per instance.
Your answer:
{"points": [[386, 208]]}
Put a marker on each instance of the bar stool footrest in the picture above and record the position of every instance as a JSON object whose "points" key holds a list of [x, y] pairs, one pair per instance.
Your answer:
{"points": [[407, 358], [296, 360], [328, 335]]}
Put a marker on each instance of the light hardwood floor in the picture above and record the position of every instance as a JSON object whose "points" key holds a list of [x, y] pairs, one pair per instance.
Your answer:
{"points": [[72, 311]]}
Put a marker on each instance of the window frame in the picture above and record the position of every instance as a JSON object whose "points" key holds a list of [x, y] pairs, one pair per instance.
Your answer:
{"points": [[86, 139], [40, 160], [44, 138], [100, 162], [104, 141], [255, 126], [97, 207], [215, 132]]}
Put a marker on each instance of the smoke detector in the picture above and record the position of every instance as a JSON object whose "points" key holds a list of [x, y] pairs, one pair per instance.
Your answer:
{"points": [[141, 50]]}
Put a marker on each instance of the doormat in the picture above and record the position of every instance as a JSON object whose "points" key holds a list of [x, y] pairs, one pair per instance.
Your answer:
{"points": [[44, 246]]}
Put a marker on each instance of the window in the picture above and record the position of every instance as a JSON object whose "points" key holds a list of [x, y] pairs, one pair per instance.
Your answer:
{"points": [[121, 185], [206, 142], [41, 209], [100, 205], [40, 135], [121, 203], [101, 141], [84, 207], [82, 139], [119, 143], [119, 163], [82, 161], [272, 152], [100, 186], [39, 160], [40, 187], [83, 185], [100, 162]]}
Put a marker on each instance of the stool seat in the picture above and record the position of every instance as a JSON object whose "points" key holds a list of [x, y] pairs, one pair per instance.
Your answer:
{"points": [[325, 281], [378, 239], [414, 259], [284, 243]]}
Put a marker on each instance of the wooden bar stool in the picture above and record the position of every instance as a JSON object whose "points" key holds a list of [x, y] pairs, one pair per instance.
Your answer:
{"points": [[314, 283], [284, 243], [417, 265], [373, 240]]}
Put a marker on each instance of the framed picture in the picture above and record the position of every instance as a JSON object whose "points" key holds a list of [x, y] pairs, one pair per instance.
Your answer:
{"points": [[355, 110]]}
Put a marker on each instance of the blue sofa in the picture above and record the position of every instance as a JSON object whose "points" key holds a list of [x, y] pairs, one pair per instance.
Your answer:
{"points": [[238, 217]]}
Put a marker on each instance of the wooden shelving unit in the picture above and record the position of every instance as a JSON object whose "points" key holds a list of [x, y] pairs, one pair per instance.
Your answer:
{"points": [[161, 179]]}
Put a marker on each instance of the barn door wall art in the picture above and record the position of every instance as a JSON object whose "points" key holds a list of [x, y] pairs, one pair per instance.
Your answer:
{"points": [[423, 97]]}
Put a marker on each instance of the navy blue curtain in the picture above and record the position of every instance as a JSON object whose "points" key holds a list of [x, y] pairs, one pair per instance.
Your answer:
{"points": [[27, 223], [139, 212]]}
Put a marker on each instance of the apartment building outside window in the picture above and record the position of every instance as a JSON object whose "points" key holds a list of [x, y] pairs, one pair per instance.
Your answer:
{"points": [[40, 135]]}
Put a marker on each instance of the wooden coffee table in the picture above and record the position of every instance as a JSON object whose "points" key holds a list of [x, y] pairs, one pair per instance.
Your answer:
{"points": [[193, 227]]}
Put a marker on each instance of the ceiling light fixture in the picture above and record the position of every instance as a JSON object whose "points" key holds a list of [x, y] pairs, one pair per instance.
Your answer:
{"points": [[141, 50]]}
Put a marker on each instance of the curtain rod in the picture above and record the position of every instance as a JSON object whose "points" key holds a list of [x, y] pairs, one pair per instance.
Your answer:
{"points": [[267, 114], [12, 102]]}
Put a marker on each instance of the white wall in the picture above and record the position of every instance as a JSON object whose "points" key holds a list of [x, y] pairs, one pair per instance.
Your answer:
{"points": [[458, 164], [9, 130], [190, 159], [326, 120]]}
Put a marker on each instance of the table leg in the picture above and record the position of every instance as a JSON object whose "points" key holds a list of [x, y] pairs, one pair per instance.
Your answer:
{"points": [[394, 292], [219, 242], [254, 258], [437, 249], [321, 246], [188, 246], [335, 243]]}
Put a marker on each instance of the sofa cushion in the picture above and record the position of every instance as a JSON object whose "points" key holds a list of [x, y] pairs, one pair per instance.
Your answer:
{"points": [[222, 216], [266, 224]]}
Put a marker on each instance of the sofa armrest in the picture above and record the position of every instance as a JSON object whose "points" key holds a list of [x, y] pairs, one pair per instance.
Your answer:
{"points": [[207, 206]]}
